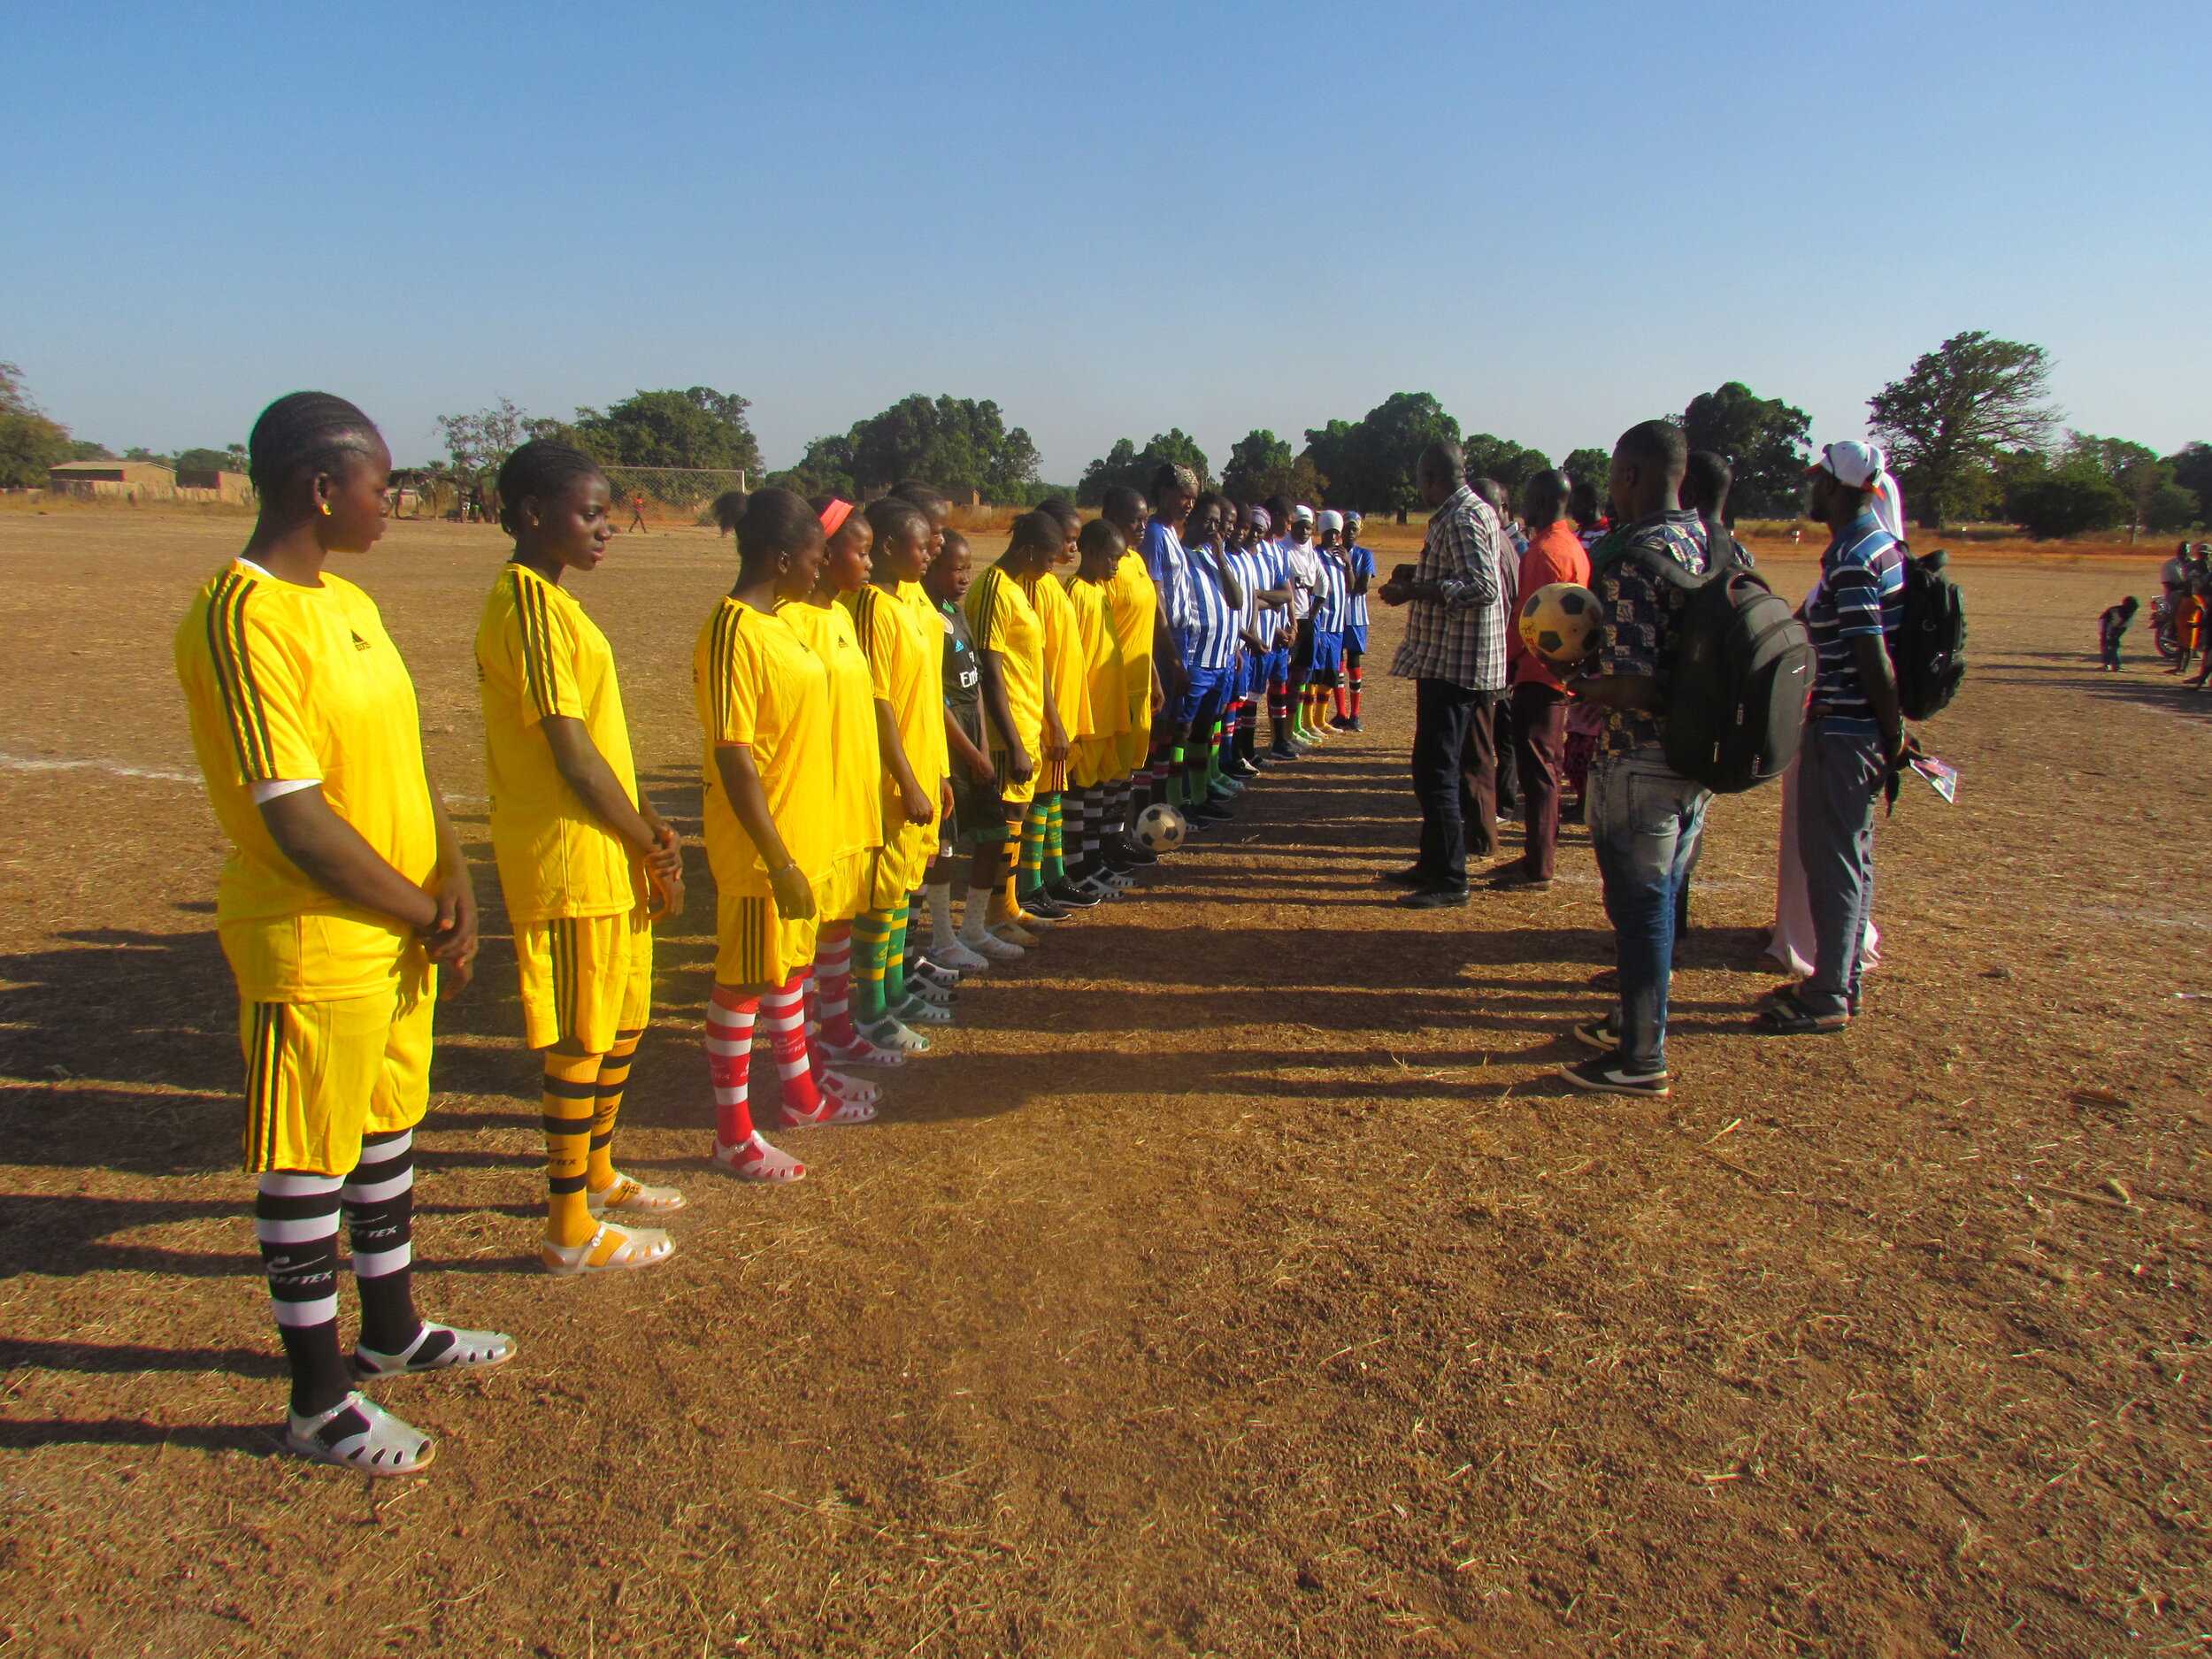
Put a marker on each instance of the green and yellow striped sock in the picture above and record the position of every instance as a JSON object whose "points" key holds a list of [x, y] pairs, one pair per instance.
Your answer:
{"points": [[1056, 863], [871, 932], [1032, 853], [894, 956]]}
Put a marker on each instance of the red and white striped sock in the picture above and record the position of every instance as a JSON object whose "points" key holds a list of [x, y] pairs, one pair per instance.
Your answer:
{"points": [[730, 1062], [784, 1013], [834, 982]]}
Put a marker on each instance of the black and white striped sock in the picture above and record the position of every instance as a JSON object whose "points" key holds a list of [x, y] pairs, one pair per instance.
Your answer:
{"points": [[379, 1201], [296, 1219]]}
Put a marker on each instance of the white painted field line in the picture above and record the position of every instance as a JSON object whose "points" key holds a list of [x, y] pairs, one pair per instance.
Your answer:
{"points": [[19, 762]]}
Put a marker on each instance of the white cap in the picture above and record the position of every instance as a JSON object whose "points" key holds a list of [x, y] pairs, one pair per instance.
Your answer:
{"points": [[1333, 521], [1302, 512]]}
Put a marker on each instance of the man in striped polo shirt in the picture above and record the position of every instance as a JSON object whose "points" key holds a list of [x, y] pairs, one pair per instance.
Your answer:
{"points": [[1211, 600], [1854, 730]]}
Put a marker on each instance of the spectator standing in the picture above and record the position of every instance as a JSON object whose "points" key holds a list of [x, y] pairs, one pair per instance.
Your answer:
{"points": [[1556, 554], [1854, 730], [1645, 817], [1454, 651]]}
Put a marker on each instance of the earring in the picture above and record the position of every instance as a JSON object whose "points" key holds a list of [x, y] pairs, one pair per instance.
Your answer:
{"points": [[326, 507]]}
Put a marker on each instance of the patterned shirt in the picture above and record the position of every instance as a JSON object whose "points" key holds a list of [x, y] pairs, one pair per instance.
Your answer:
{"points": [[1461, 636], [1641, 611], [1164, 556], [1861, 594], [1249, 566], [1332, 600], [1210, 634], [1362, 561]]}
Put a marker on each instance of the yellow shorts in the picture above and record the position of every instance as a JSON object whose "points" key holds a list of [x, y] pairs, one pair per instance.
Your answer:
{"points": [[902, 863], [842, 892], [585, 977], [321, 1075], [1096, 760], [1136, 743], [1017, 794], [755, 946]]}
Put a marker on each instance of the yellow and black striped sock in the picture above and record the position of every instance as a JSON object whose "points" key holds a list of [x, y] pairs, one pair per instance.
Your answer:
{"points": [[571, 1093], [614, 1077]]}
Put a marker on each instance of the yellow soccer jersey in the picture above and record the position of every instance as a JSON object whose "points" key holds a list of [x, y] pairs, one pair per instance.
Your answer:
{"points": [[755, 683], [1135, 601], [929, 623], [856, 768], [1065, 669], [1002, 621], [537, 654], [1101, 647], [899, 661], [285, 682]]}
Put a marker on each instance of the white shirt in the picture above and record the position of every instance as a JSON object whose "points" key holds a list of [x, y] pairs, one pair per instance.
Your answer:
{"points": [[1304, 565]]}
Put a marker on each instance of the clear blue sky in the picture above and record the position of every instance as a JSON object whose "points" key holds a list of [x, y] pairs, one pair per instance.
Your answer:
{"points": [[1559, 218]]}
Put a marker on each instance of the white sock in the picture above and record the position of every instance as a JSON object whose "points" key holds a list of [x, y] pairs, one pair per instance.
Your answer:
{"points": [[974, 914], [940, 928]]}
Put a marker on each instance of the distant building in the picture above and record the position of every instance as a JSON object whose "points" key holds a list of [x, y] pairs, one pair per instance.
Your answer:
{"points": [[134, 480], [207, 484]]}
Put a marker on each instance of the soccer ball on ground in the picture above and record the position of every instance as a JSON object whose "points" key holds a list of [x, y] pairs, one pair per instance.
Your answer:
{"points": [[1559, 623], [1160, 828]]}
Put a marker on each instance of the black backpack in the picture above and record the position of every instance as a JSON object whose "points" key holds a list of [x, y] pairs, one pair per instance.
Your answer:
{"points": [[1930, 648], [1741, 673]]}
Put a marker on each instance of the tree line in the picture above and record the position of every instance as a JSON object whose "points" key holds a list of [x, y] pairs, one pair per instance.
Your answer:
{"points": [[1971, 426]]}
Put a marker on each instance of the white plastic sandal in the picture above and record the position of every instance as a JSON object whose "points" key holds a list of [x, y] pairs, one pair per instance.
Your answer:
{"points": [[610, 1249], [895, 1038], [629, 1196], [850, 1088], [469, 1350], [382, 1446]]}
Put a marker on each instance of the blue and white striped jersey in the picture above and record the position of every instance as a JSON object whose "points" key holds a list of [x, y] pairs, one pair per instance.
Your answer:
{"points": [[1209, 637]]}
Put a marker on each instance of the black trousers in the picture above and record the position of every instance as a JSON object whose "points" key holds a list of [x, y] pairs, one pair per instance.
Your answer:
{"points": [[1455, 778]]}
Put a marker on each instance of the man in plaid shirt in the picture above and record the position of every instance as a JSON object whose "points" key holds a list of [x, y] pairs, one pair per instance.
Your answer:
{"points": [[1454, 652]]}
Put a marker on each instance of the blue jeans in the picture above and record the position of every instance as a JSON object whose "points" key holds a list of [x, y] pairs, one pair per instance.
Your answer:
{"points": [[1840, 777], [1645, 821]]}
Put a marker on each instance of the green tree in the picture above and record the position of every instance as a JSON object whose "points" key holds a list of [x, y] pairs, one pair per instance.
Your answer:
{"points": [[1125, 464], [2192, 466], [2070, 501], [1958, 405], [206, 461], [477, 445], [1370, 465], [825, 469], [29, 441], [1511, 463], [2133, 469], [958, 444], [1766, 441], [1261, 464], [700, 428], [1594, 467], [2170, 507]]}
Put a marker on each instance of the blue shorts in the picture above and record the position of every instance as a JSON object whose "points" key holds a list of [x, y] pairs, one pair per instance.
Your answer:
{"points": [[1239, 685], [1275, 667], [1328, 655], [1202, 696], [1355, 638]]}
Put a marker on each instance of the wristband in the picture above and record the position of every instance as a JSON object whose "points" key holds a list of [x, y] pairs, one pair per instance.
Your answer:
{"points": [[780, 869]]}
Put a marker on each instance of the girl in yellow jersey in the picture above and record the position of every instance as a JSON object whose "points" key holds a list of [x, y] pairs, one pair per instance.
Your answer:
{"points": [[907, 679], [344, 896], [1009, 650], [810, 1095], [1067, 675], [770, 819], [1136, 606], [1098, 765], [584, 860]]}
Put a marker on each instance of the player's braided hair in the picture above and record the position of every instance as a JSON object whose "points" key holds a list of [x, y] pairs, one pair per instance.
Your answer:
{"points": [[776, 522], [1062, 509], [916, 492], [888, 514], [1036, 532], [729, 508], [303, 433], [542, 468], [1102, 536]]}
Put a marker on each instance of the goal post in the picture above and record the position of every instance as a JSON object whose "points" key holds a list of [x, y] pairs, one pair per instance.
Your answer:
{"points": [[680, 494]]}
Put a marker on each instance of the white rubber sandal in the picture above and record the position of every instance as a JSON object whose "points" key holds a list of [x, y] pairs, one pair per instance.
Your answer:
{"points": [[930, 991], [833, 1111], [629, 1196], [383, 1446], [934, 972], [1011, 932], [610, 1249], [996, 948], [469, 1350], [850, 1088], [916, 1011], [959, 955], [755, 1160], [860, 1052]]}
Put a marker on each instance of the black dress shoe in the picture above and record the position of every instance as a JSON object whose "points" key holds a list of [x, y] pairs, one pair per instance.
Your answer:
{"points": [[1432, 899], [1412, 876]]}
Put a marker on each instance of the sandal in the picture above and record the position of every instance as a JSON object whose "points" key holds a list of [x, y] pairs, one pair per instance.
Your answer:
{"points": [[381, 1446], [896, 1038], [831, 1112], [861, 1051], [924, 971], [917, 1010], [753, 1159], [469, 1350], [610, 1249], [627, 1196], [930, 991], [849, 1088]]}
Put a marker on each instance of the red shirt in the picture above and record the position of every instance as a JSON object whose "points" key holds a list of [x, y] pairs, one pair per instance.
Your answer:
{"points": [[1556, 554]]}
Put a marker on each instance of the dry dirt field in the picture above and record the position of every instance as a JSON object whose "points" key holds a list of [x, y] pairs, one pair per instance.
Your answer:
{"points": [[1235, 1279]]}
